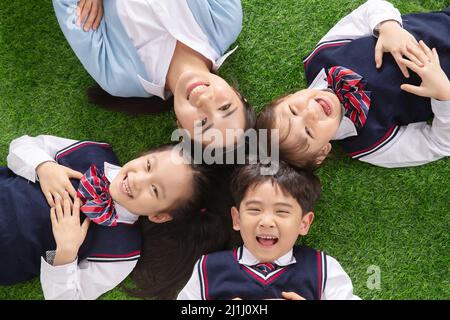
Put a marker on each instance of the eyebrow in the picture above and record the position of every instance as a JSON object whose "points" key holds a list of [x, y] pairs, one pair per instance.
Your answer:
{"points": [[163, 191], [284, 204], [249, 202]]}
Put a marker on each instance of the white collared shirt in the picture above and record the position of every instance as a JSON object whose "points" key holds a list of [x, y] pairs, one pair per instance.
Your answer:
{"points": [[415, 144], [86, 279], [338, 283], [154, 27]]}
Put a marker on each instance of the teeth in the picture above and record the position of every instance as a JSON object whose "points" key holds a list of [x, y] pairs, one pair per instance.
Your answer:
{"points": [[127, 187], [197, 89], [268, 237]]}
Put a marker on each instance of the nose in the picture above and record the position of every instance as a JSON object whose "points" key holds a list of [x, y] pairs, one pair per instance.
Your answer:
{"points": [[267, 221], [310, 111], [205, 99], [141, 180]]}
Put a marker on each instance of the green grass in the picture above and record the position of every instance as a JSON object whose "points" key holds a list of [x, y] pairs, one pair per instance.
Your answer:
{"points": [[395, 219]]}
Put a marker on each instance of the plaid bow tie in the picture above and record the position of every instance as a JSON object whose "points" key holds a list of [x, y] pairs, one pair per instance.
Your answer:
{"points": [[265, 268], [97, 202], [348, 86]]}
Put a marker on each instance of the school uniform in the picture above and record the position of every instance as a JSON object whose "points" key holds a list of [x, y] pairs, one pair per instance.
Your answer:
{"points": [[130, 52], [27, 245], [394, 130], [237, 273]]}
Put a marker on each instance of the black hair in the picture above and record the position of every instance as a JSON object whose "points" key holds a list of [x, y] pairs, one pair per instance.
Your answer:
{"points": [[302, 184], [170, 249], [201, 176]]}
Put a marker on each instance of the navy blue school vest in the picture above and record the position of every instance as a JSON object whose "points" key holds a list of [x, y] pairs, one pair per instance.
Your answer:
{"points": [[390, 106], [25, 227], [223, 278]]}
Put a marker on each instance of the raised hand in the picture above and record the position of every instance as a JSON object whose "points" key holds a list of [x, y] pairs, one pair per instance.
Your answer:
{"points": [[69, 234], [435, 83], [399, 42], [55, 180]]}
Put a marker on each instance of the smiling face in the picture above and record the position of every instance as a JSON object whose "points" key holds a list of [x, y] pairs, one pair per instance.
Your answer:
{"points": [[308, 120], [152, 184], [206, 101], [270, 221]]}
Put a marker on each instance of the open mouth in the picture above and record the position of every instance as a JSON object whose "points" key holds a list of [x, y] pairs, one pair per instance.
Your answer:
{"points": [[126, 187], [326, 106], [267, 240], [195, 88]]}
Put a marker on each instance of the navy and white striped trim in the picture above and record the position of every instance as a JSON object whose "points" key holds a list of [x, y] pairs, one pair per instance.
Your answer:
{"points": [[112, 258], [325, 44], [324, 271], [78, 145], [201, 278], [377, 146]]}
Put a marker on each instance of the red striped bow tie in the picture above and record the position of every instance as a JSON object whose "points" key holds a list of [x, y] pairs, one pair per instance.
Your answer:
{"points": [[265, 268], [348, 86], [97, 202]]}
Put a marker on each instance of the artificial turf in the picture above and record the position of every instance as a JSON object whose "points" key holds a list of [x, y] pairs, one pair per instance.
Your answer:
{"points": [[394, 219]]}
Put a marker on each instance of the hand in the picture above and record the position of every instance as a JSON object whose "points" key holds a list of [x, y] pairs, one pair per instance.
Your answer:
{"points": [[54, 181], [435, 83], [93, 10], [291, 296], [69, 234], [399, 42]]}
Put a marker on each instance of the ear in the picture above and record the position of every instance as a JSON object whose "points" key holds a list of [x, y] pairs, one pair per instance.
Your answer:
{"points": [[236, 219], [306, 222], [323, 153], [160, 218]]}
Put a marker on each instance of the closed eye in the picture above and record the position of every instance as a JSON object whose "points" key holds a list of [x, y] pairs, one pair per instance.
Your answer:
{"points": [[149, 165], [155, 190], [308, 132], [292, 110]]}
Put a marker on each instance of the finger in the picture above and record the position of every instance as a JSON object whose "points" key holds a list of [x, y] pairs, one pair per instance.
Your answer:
{"points": [[426, 49], [76, 207], [85, 12], [85, 226], [98, 19], [72, 192], [79, 10], [292, 296], [378, 56], [418, 91], [49, 198], [415, 55], [91, 18], [73, 173], [67, 204], [398, 58], [53, 218], [436, 56], [59, 209], [411, 65]]}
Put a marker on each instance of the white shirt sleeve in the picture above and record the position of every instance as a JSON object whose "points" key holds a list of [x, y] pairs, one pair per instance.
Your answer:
{"points": [[191, 290], [418, 143], [339, 285], [85, 281], [363, 21], [27, 153]]}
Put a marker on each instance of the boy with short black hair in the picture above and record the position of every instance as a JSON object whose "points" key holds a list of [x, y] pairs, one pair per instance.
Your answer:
{"points": [[270, 213]]}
